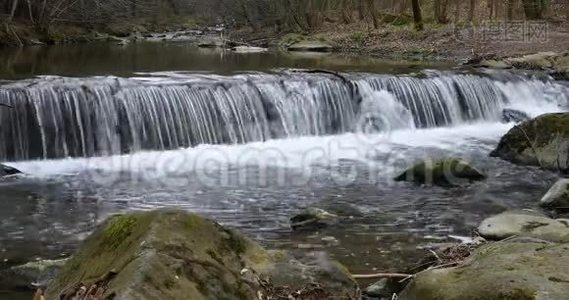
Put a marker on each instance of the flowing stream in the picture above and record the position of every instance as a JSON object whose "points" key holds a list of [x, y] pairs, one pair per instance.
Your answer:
{"points": [[252, 149]]}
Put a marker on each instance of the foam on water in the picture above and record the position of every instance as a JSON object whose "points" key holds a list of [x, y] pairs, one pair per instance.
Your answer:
{"points": [[295, 153]]}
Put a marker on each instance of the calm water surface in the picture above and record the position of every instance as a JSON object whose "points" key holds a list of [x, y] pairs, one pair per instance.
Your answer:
{"points": [[107, 59]]}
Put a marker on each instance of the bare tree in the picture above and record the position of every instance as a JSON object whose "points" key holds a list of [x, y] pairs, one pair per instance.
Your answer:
{"points": [[417, 17]]}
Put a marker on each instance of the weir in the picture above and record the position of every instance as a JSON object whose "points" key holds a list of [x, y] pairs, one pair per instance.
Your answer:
{"points": [[56, 117]]}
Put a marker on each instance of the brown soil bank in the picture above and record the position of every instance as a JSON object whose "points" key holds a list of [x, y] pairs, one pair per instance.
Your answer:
{"points": [[436, 42]]}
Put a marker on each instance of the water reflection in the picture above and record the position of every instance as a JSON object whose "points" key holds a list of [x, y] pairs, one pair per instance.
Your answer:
{"points": [[109, 59]]}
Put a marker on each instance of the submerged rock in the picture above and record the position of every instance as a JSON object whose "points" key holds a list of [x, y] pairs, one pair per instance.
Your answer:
{"points": [[543, 141], [177, 255], [512, 115], [558, 196], [523, 224], [310, 46], [31, 275], [444, 172], [249, 49], [312, 218], [7, 171], [506, 270]]}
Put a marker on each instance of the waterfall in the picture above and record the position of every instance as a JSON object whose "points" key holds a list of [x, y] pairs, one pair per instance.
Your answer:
{"points": [[54, 117]]}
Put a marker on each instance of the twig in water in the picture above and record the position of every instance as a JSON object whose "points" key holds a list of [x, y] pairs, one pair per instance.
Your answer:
{"points": [[531, 145], [451, 264], [6, 105], [436, 255]]}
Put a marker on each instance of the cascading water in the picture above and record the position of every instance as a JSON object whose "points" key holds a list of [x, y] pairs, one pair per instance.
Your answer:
{"points": [[55, 117]]}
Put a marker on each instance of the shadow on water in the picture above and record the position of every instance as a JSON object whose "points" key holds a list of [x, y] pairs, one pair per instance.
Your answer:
{"points": [[109, 59]]}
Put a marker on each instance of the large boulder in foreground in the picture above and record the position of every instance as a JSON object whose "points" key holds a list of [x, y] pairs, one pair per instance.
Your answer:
{"points": [[177, 255], [503, 270], [558, 196], [522, 223], [543, 141], [443, 172]]}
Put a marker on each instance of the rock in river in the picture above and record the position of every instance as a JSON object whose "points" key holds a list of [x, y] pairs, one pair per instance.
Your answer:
{"points": [[30, 275], [543, 141], [311, 46], [512, 115], [505, 270], [523, 224], [7, 171], [312, 218], [558, 196], [443, 172], [168, 254]]}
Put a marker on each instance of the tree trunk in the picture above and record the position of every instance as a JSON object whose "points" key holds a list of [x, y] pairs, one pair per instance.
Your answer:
{"points": [[373, 12], [361, 12], [417, 17], [437, 10], [443, 12], [472, 10], [346, 13], [510, 9], [13, 10], [534, 9], [457, 10]]}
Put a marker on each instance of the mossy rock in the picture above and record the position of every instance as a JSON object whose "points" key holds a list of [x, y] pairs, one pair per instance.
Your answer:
{"points": [[444, 172], [502, 270], [542, 141], [168, 254], [163, 254], [536, 61], [523, 224]]}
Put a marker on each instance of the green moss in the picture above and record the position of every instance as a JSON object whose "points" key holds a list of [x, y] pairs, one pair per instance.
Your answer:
{"points": [[117, 230], [291, 38], [501, 270], [441, 172], [359, 37], [535, 142], [518, 294]]}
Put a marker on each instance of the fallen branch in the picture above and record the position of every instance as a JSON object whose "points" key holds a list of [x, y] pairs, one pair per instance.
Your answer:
{"points": [[316, 71], [381, 275], [6, 105], [226, 41]]}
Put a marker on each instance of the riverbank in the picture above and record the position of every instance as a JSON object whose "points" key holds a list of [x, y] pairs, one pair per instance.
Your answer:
{"points": [[458, 43], [396, 40], [21, 34]]}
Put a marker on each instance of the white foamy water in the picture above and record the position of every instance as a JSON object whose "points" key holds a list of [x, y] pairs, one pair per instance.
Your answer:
{"points": [[295, 153]]}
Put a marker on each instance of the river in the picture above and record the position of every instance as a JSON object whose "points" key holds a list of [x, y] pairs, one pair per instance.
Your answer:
{"points": [[252, 139]]}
